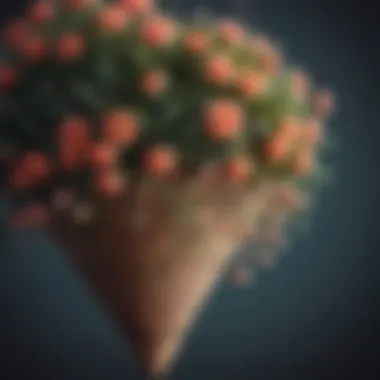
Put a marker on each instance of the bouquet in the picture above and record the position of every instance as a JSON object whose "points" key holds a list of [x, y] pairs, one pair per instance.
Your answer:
{"points": [[152, 148]]}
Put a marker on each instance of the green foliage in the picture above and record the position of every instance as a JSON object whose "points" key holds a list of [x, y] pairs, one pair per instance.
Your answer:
{"points": [[108, 75]]}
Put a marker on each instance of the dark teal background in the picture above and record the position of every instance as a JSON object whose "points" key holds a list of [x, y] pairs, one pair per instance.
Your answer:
{"points": [[313, 317]]}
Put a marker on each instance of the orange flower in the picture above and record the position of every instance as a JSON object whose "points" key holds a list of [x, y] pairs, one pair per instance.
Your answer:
{"points": [[37, 163], [154, 82], [284, 139], [218, 69], [102, 155], [195, 42], [15, 33], [33, 215], [304, 161], [41, 11], [8, 77], [112, 18], [70, 46], [269, 58], [161, 160], [312, 131], [74, 130], [30, 170], [271, 62], [289, 128], [109, 183], [120, 127], [239, 168], [323, 103], [137, 6], [157, 31], [224, 119], [34, 48], [230, 32], [251, 84], [74, 137], [277, 148]]}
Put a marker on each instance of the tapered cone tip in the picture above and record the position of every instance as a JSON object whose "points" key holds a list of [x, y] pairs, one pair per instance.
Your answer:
{"points": [[153, 280]]}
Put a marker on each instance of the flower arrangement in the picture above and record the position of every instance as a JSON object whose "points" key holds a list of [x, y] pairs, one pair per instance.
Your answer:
{"points": [[114, 113]]}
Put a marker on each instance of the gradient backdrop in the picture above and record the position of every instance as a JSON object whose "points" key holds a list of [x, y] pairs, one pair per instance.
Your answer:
{"points": [[312, 318]]}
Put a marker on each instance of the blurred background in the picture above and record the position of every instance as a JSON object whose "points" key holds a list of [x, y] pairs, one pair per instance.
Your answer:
{"points": [[313, 317]]}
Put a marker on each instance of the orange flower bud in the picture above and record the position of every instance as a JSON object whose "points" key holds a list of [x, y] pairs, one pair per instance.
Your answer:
{"points": [[154, 82], [218, 70], [224, 119], [112, 18], [70, 46], [120, 127], [195, 42], [230, 32], [157, 31], [161, 160], [239, 168]]}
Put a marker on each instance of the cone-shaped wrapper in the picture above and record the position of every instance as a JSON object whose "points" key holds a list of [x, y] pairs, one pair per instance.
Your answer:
{"points": [[152, 274]]}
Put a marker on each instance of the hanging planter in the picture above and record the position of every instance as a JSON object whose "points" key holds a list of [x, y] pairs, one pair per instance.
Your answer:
{"points": [[151, 149]]}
